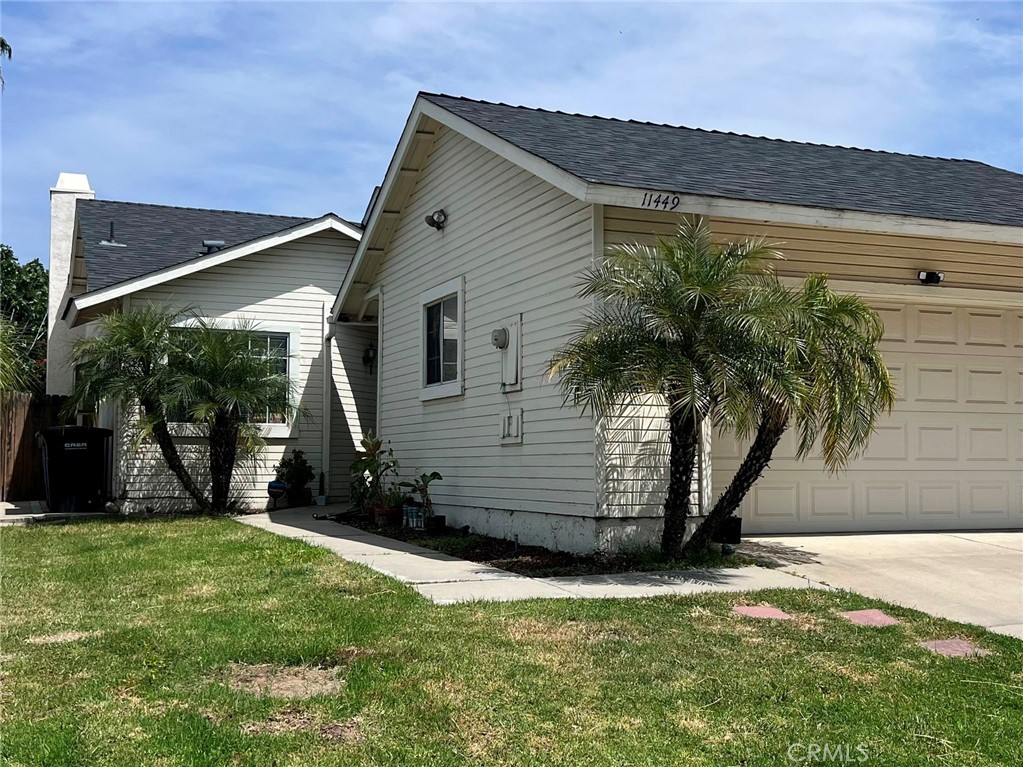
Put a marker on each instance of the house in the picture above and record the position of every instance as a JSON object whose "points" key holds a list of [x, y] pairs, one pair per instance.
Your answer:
{"points": [[469, 268], [281, 272]]}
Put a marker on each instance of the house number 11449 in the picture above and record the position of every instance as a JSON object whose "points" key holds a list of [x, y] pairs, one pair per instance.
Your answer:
{"points": [[661, 201]]}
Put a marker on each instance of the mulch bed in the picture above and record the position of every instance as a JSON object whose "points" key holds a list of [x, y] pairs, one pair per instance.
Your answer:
{"points": [[537, 561]]}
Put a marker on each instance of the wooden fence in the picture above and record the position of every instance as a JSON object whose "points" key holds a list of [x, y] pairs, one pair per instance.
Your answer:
{"points": [[21, 460]]}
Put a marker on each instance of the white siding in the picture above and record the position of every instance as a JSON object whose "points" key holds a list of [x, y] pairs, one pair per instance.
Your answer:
{"points": [[293, 285], [354, 401], [520, 245]]}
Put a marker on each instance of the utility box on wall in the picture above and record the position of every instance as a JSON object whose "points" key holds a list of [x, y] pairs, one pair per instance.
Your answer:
{"points": [[508, 340]]}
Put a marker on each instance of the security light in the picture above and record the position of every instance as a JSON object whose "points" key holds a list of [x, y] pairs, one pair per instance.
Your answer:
{"points": [[931, 278], [437, 219]]}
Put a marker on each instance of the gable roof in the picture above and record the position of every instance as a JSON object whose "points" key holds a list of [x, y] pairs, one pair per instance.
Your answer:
{"points": [[668, 158], [156, 237], [84, 306]]}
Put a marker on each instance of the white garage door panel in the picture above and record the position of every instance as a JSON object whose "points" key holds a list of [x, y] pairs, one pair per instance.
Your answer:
{"points": [[949, 457]]}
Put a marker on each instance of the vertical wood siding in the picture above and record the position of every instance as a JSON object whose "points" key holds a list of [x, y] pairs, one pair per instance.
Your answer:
{"points": [[520, 245], [293, 284]]}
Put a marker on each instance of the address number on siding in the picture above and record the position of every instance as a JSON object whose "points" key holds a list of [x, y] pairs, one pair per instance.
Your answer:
{"points": [[661, 201]]}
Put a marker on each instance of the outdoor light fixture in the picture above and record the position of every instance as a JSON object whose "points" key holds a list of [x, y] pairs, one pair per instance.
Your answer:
{"points": [[930, 278], [437, 219], [369, 357]]}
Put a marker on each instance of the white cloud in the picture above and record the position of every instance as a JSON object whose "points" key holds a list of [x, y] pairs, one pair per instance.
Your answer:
{"points": [[295, 108]]}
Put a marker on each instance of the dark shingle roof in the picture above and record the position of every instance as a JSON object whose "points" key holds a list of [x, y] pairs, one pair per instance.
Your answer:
{"points": [[734, 166], [159, 236]]}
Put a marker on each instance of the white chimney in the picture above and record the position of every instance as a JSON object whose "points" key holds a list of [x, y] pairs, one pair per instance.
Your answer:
{"points": [[70, 188]]}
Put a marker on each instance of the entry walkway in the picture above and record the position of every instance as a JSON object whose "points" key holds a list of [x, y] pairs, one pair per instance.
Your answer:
{"points": [[447, 580]]}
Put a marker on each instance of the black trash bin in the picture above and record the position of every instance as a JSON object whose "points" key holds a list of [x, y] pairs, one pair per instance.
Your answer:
{"points": [[77, 468]]}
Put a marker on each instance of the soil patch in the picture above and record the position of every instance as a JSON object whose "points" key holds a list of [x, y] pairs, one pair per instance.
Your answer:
{"points": [[539, 562], [295, 720], [348, 732], [62, 637], [282, 682]]}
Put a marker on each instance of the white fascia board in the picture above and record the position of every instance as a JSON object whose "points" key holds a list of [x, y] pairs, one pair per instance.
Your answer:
{"points": [[550, 173], [379, 204], [779, 213], [921, 294], [539, 167], [329, 221]]}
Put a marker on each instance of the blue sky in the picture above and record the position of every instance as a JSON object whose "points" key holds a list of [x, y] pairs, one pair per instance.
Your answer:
{"points": [[295, 108]]}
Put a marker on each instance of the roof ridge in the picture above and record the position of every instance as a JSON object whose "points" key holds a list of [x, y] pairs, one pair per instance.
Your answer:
{"points": [[711, 131], [205, 210]]}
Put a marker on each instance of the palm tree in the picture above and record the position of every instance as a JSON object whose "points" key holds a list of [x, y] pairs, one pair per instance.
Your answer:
{"points": [[837, 387], [223, 384], [203, 373], [5, 50], [712, 331], [675, 320]]}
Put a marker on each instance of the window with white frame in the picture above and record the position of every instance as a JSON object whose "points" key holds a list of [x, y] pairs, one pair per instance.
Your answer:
{"points": [[441, 312], [277, 346]]}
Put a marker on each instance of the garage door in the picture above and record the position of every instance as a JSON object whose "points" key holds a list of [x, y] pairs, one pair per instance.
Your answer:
{"points": [[949, 457]]}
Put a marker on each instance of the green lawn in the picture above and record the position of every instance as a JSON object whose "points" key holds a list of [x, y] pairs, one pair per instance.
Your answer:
{"points": [[668, 681]]}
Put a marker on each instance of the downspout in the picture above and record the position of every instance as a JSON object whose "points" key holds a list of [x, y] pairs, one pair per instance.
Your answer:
{"points": [[327, 329]]}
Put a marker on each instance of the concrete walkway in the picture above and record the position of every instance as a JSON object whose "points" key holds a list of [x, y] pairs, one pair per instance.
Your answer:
{"points": [[972, 577], [29, 512], [447, 580]]}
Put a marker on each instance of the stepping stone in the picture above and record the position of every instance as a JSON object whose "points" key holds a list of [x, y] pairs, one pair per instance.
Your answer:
{"points": [[762, 611], [870, 618], [955, 648]]}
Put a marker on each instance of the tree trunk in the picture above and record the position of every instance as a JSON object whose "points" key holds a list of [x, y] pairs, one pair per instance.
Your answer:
{"points": [[758, 457], [223, 450], [173, 459], [684, 440]]}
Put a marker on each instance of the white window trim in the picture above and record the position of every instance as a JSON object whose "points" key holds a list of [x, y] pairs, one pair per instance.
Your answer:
{"points": [[294, 333], [456, 388]]}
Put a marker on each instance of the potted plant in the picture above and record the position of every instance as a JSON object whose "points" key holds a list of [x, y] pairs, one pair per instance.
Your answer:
{"points": [[372, 467], [388, 512], [421, 487], [297, 473], [415, 517]]}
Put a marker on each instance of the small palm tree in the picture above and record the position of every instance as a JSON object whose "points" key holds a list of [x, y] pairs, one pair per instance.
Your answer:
{"points": [[675, 320], [712, 331], [835, 388], [202, 373], [226, 387]]}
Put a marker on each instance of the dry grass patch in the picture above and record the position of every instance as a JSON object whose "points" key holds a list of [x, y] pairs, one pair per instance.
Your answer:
{"points": [[62, 637], [199, 591], [292, 720], [282, 682], [846, 671], [689, 721], [805, 622], [533, 630], [352, 654]]}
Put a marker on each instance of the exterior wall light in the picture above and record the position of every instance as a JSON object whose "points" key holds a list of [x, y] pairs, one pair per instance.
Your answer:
{"points": [[369, 357], [436, 219], [930, 278]]}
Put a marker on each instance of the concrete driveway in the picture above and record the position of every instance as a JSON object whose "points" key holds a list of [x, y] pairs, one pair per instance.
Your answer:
{"points": [[974, 577]]}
